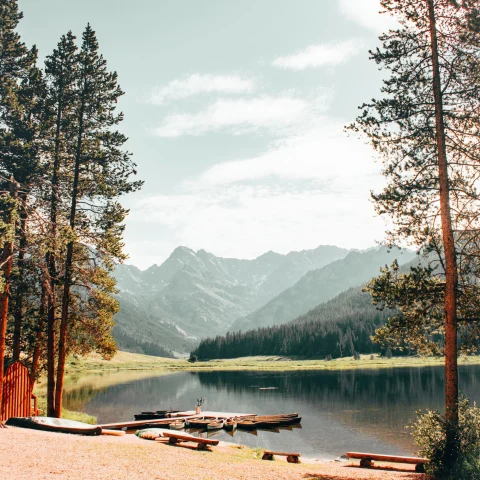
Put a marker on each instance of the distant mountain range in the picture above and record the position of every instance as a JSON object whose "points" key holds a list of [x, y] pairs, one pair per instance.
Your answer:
{"points": [[193, 295]]}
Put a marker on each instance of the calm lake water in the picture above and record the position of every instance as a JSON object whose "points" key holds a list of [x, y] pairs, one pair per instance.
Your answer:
{"points": [[360, 410]]}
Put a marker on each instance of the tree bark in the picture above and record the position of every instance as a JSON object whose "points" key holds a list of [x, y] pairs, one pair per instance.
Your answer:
{"points": [[6, 262], [451, 275], [41, 325], [18, 309], [62, 344], [51, 262]]}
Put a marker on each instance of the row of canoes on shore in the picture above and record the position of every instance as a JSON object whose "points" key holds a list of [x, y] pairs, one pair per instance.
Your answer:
{"points": [[245, 423]]}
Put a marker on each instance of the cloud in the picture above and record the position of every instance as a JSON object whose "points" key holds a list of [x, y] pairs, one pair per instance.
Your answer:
{"points": [[310, 189], [201, 83], [328, 54], [244, 115], [366, 13]]}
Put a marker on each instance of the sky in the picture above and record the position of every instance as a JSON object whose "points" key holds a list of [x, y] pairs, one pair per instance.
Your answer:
{"points": [[235, 113]]}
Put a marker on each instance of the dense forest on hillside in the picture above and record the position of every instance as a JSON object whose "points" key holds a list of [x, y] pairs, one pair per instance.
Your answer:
{"points": [[341, 327]]}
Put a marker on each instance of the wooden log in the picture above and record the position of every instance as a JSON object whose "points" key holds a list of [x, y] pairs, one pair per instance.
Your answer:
{"points": [[115, 433], [189, 438], [388, 458], [291, 457]]}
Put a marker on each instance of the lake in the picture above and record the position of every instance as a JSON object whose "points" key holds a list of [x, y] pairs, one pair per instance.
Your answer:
{"points": [[359, 410]]}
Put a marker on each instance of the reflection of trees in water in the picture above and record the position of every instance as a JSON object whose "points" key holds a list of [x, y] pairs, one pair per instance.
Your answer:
{"points": [[405, 386]]}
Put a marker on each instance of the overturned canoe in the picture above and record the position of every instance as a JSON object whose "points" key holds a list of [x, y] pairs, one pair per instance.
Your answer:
{"points": [[51, 424]]}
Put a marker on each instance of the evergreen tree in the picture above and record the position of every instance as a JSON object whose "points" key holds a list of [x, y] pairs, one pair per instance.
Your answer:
{"points": [[60, 70], [101, 171], [426, 132], [14, 62]]}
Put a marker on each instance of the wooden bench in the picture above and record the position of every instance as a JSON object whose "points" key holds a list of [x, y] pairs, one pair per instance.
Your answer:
{"points": [[366, 460], [176, 438], [291, 457]]}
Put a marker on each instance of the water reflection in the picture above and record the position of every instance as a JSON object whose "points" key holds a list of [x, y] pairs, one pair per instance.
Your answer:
{"points": [[344, 410]]}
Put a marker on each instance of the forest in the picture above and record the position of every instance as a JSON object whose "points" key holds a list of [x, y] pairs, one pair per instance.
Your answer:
{"points": [[342, 327], [63, 169]]}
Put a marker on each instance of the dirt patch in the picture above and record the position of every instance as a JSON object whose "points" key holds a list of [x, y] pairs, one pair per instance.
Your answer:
{"points": [[29, 454]]}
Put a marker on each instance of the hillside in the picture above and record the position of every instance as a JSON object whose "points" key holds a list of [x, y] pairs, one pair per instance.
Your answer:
{"points": [[337, 328], [320, 285]]}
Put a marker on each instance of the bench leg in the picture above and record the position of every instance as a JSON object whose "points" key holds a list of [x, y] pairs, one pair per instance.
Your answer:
{"points": [[172, 441], [202, 446], [420, 468], [293, 459], [366, 462], [267, 456]]}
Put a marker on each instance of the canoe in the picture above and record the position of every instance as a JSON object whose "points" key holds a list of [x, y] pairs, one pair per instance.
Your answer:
{"points": [[230, 424], [159, 414], [247, 424], [51, 424], [199, 422], [215, 425], [177, 425]]}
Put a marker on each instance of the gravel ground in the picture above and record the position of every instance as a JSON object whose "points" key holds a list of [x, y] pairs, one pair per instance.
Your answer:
{"points": [[34, 455]]}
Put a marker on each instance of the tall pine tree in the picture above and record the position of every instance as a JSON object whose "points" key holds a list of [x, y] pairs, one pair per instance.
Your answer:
{"points": [[426, 132]]}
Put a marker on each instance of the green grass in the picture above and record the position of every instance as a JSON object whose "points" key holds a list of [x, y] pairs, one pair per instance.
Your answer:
{"points": [[137, 362]]}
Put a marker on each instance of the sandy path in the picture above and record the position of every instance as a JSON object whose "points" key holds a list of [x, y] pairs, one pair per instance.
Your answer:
{"points": [[29, 454]]}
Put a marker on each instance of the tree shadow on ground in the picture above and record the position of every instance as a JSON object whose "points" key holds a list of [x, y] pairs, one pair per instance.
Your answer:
{"points": [[408, 474]]}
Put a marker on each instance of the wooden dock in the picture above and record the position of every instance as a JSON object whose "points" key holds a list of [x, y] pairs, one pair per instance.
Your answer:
{"points": [[177, 416]]}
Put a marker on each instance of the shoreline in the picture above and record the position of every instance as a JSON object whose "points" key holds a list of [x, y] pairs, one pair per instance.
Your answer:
{"points": [[76, 457], [139, 362]]}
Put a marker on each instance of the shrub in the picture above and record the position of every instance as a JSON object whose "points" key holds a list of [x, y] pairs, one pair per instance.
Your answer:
{"points": [[193, 358], [429, 432]]}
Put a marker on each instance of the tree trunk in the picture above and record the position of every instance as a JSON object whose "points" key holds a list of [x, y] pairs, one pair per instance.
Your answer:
{"points": [[6, 262], [41, 325], [451, 277], [52, 266], [62, 344], [18, 309]]}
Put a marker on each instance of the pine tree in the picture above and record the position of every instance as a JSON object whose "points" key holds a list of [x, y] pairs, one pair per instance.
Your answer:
{"points": [[101, 171], [14, 62], [61, 75], [426, 131]]}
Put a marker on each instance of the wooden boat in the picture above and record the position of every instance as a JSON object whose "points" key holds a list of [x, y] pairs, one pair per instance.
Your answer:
{"points": [[247, 424], [51, 424], [159, 414], [177, 425], [215, 425], [198, 422], [230, 424]]}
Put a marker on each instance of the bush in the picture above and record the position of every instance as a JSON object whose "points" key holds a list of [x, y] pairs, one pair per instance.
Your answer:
{"points": [[193, 358], [429, 432]]}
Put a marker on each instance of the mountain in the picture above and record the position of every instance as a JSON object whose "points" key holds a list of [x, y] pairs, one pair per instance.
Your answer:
{"points": [[195, 294], [321, 285]]}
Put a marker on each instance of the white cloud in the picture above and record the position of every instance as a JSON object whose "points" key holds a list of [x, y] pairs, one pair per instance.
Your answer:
{"points": [[243, 115], [308, 190], [328, 54], [201, 83], [366, 13]]}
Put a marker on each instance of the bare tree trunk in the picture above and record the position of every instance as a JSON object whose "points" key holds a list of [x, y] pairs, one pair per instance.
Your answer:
{"points": [[51, 262], [18, 309], [40, 326], [6, 263], [62, 344], [451, 276]]}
